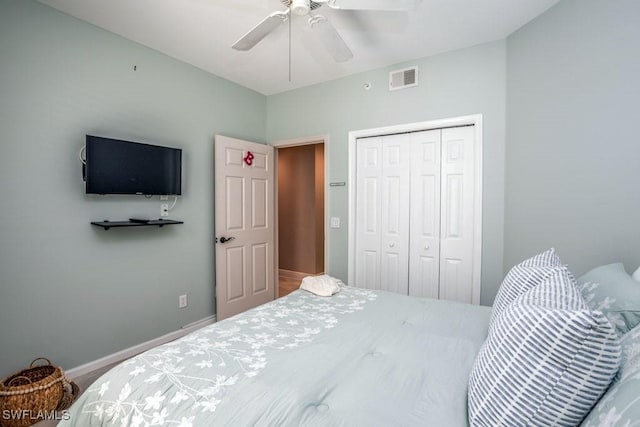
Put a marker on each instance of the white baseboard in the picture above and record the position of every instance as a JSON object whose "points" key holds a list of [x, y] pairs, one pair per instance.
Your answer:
{"points": [[200, 323], [137, 349]]}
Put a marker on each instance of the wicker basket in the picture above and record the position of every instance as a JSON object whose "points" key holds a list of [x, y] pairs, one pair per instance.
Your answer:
{"points": [[37, 390], [70, 392]]}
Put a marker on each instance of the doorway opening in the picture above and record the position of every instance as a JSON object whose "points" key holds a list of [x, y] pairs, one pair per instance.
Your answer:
{"points": [[300, 206]]}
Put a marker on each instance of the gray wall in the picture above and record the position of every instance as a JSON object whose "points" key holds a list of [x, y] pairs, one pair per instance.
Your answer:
{"points": [[573, 151], [70, 291], [463, 82]]}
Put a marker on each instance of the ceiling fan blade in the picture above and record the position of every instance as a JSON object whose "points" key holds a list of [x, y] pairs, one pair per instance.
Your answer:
{"points": [[331, 39], [389, 5], [260, 31]]}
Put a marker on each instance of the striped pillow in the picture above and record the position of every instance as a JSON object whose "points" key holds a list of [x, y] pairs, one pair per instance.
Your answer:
{"points": [[523, 277], [547, 360]]}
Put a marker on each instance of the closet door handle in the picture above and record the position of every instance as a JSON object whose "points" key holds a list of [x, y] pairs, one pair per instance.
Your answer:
{"points": [[391, 244], [426, 247]]}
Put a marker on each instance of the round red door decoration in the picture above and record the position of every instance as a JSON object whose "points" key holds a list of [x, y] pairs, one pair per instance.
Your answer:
{"points": [[248, 159]]}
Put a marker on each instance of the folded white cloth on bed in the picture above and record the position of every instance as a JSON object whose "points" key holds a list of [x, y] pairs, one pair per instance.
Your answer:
{"points": [[323, 285]]}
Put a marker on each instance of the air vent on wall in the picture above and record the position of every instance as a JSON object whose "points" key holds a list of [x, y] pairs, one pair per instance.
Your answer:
{"points": [[402, 79]]}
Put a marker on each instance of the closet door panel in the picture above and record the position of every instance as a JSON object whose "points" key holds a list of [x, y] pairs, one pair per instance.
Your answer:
{"points": [[368, 213], [370, 270], [457, 214], [424, 259], [394, 243]]}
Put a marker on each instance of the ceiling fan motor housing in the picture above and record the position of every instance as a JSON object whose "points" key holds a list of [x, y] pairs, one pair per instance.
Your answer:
{"points": [[301, 7]]}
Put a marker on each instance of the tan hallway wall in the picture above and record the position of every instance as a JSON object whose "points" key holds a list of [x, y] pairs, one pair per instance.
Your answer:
{"points": [[319, 189], [301, 245]]}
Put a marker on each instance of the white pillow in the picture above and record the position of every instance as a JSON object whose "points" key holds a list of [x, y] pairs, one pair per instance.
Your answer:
{"points": [[323, 285]]}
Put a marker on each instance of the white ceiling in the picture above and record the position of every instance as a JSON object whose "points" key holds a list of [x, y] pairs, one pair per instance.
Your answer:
{"points": [[201, 32]]}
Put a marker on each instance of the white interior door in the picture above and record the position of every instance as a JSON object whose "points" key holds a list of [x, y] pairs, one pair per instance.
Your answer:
{"points": [[424, 261], [457, 214], [244, 213], [417, 213]]}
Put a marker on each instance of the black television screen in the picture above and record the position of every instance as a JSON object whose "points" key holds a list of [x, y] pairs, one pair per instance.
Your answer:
{"points": [[122, 167]]}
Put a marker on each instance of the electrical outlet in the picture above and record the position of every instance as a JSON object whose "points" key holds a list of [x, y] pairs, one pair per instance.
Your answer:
{"points": [[182, 301], [164, 209], [335, 222]]}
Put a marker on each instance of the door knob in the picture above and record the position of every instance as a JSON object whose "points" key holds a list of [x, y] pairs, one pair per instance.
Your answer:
{"points": [[391, 244], [426, 247], [226, 239]]}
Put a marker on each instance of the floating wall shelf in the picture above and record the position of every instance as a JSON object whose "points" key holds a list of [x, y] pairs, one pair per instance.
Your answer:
{"points": [[154, 222]]}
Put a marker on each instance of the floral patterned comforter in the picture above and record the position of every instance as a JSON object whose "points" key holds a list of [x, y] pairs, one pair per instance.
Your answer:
{"points": [[359, 357]]}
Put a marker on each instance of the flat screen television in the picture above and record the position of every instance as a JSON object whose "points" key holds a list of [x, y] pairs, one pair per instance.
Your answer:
{"points": [[122, 167]]}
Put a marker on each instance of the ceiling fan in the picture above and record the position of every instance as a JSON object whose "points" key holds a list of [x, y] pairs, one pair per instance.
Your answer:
{"points": [[334, 44]]}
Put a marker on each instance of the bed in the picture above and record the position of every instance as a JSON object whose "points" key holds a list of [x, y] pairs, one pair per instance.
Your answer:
{"points": [[551, 351], [359, 357]]}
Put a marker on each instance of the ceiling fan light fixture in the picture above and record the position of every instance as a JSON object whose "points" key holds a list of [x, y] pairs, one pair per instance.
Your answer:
{"points": [[300, 7]]}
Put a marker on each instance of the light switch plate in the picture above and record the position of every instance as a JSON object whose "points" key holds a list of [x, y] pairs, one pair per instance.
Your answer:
{"points": [[335, 222]]}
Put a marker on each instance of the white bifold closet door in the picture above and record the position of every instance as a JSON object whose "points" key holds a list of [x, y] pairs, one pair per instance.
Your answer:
{"points": [[424, 265], [383, 221], [414, 213]]}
